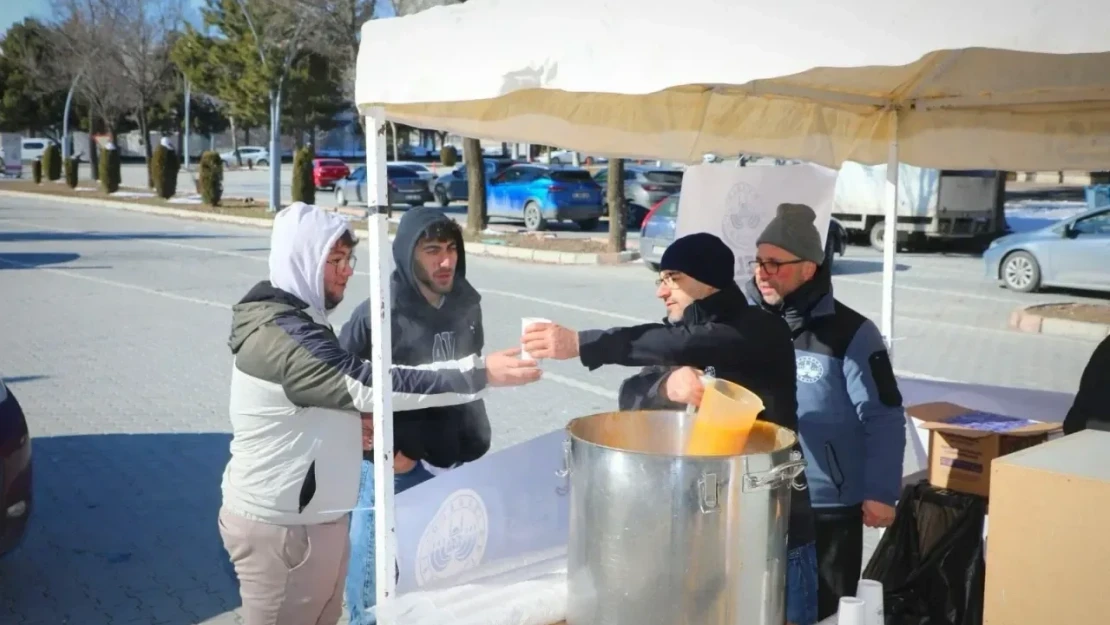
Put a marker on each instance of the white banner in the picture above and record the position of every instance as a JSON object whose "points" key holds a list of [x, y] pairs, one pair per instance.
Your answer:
{"points": [[737, 203]]}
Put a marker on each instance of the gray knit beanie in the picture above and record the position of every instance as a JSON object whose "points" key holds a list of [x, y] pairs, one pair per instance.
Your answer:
{"points": [[793, 229]]}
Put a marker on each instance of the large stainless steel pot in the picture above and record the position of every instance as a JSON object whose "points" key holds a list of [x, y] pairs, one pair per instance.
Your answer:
{"points": [[660, 537]]}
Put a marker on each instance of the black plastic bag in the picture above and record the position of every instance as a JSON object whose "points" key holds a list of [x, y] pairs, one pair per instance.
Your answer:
{"points": [[931, 559]]}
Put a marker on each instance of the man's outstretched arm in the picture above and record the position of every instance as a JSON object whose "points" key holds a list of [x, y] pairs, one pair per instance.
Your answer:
{"points": [[314, 370], [652, 344]]}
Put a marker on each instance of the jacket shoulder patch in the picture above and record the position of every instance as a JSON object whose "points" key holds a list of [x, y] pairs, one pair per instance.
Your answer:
{"points": [[810, 369]]}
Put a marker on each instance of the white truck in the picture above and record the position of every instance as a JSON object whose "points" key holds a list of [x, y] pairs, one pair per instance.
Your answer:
{"points": [[11, 155], [932, 203]]}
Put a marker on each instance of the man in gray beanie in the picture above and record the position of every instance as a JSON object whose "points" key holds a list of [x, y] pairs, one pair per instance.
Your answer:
{"points": [[850, 416], [794, 230]]}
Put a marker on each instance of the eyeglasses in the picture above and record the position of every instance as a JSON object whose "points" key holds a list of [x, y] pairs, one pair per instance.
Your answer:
{"points": [[341, 263], [771, 267], [671, 280]]}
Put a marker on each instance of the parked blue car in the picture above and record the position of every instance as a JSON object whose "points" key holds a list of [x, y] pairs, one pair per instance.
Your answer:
{"points": [[1072, 253], [540, 194], [657, 232], [454, 187]]}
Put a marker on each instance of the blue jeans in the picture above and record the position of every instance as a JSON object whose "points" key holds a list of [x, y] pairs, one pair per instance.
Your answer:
{"points": [[361, 589], [801, 585]]}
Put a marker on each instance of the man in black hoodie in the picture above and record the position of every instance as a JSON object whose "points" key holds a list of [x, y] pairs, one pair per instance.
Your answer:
{"points": [[709, 326], [437, 317]]}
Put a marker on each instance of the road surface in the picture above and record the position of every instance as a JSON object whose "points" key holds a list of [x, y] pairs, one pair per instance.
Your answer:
{"points": [[115, 342]]}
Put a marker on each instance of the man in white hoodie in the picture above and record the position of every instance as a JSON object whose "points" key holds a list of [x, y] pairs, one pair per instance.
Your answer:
{"points": [[296, 445]]}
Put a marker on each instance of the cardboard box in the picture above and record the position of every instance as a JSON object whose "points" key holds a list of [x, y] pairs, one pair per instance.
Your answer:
{"points": [[1048, 550], [963, 442]]}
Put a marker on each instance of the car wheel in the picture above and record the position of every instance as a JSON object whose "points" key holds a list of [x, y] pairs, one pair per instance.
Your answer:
{"points": [[441, 197], [1021, 272], [589, 225], [262, 162], [533, 217], [340, 199], [654, 267], [878, 235], [830, 251]]}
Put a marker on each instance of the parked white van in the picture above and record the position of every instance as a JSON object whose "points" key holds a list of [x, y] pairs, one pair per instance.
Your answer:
{"points": [[33, 148]]}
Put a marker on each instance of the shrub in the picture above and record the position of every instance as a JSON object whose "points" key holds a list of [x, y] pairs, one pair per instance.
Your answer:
{"points": [[449, 156], [109, 170], [211, 182], [304, 188], [36, 171], [52, 162], [164, 167], [71, 172]]}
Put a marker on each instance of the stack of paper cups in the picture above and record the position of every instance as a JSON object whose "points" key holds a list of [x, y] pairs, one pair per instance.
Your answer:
{"points": [[851, 612], [871, 593], [524, 323]]}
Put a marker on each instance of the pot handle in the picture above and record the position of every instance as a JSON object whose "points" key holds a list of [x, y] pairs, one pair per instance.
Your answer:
{"points": [[785, 472], [565, 471], [564, 488], [708, 493]]}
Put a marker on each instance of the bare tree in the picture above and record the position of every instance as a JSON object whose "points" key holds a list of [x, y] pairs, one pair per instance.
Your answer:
{"points": [[85, 30], [341, 31], [280, 30], [477, 217], [618, 222], [140, 55]]}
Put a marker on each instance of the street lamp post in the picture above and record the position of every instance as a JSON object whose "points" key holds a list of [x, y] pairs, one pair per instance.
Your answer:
{"points": [[65, 115], [188, 128]]}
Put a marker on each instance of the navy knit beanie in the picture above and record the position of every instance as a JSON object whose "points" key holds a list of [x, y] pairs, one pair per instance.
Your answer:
{"points": [[703, 257]]}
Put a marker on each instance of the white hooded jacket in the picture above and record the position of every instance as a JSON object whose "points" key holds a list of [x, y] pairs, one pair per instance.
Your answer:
{"points": [[296, 394]]}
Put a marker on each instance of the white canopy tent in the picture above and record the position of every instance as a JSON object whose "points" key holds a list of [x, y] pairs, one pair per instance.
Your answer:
{"points": [[1016, 85]]}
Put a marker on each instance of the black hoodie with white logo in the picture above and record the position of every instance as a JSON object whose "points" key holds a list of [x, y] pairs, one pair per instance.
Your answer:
{"points": [[424, 334]]}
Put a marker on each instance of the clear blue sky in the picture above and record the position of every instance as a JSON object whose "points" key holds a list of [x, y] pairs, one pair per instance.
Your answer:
{"points": [[12, 11]]}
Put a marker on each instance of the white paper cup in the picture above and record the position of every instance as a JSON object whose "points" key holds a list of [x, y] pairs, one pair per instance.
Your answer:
{"points": [[871, 593], [524, 323], [851, 612]]}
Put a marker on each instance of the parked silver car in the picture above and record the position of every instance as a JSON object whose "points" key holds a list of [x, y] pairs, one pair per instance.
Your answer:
{"points": [[1072, 253], [644, 187]]}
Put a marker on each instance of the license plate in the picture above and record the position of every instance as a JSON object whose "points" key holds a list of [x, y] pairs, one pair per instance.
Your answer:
{"points": [[582, 195], [658, 249], [416, 196]]}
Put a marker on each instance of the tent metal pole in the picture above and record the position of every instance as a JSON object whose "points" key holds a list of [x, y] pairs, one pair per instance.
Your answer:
{"points": [[890, 237], [385, 537]]}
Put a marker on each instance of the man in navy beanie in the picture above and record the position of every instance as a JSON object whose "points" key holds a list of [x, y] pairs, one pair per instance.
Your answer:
{"points": [[710, 329]]}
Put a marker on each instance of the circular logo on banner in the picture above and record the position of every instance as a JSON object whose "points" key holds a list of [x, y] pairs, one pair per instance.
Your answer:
{"points": [[810, 369], [741, 224], [455, 540]]}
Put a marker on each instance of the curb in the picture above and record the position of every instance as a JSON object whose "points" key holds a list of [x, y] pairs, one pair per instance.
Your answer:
{"points": [[1024, 320], [476, 249], [143, 208]]}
